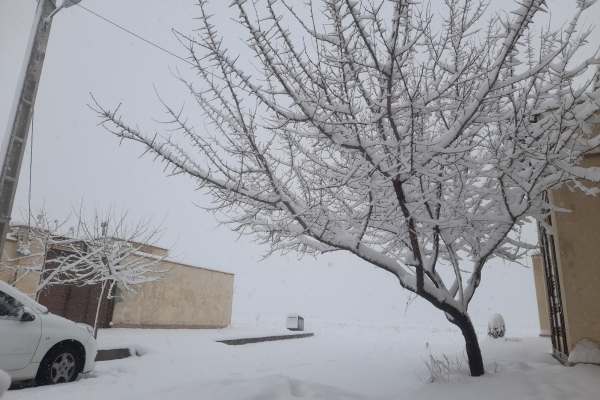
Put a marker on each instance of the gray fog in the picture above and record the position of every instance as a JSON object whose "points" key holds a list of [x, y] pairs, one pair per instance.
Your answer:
{"points": [[76, 161]]}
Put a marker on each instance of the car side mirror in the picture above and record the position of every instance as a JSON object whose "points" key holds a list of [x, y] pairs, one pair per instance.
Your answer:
{"points": [[26, 315]]}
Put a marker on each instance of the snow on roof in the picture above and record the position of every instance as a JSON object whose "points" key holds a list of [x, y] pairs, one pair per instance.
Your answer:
{"points": [[140, 252], [182, 264], [179, 263]]}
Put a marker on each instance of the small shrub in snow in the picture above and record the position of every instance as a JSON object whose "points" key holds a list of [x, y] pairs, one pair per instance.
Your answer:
{"points": [[441, 369], [586, 351], [496, 326], [4, 382]]}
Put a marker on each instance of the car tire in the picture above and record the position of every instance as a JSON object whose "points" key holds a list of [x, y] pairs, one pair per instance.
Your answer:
{"points": [[61, 364]]}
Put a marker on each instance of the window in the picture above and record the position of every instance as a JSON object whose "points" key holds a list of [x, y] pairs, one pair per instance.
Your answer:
{"points": [[9, 306]]}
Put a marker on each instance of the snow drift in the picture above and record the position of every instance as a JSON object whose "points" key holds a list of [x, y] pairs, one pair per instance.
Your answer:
{"points": [[4, 382], [586, 351]]}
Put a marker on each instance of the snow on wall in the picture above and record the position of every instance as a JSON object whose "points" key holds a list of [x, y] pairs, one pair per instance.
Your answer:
{"points": [[586, 351]]}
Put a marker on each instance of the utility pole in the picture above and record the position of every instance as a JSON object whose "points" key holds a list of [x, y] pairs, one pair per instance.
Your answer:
{"points": [[15, 141]]}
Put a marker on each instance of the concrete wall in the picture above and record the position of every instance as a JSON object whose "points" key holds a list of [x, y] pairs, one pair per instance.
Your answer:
{"points": [[541, 294], [25, 281], [186, 297], [577, 236], [7, 275]]}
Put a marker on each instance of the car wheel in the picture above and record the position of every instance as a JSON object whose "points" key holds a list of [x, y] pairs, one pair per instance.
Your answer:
{"points": [[62, 364]]}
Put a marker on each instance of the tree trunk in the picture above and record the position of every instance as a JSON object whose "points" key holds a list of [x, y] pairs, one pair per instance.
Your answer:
{"points": [[98, 306], [472, 344]]}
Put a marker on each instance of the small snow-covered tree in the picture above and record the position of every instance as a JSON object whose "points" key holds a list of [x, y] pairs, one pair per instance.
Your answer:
{"points": [[105, 251], [102, 250], [420, 144], [34, 240]]}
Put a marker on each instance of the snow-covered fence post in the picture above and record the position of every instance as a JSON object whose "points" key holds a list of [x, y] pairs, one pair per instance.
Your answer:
{"points": [[420, 152]]}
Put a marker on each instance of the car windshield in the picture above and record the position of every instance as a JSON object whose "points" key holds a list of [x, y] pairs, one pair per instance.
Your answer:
{"points": [[21, 298], [9, 306]]}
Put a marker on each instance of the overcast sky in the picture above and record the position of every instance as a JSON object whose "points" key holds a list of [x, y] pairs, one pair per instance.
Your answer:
{"points": [[75, 160]]}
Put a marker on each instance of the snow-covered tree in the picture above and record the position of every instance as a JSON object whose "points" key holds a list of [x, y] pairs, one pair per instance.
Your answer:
{"points": [[107, 252], [102, 250], [34, 240], [419, 143]]}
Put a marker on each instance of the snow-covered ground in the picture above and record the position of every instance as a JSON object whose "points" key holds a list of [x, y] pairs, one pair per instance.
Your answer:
{"points": [[4, 382], [339, 362]]}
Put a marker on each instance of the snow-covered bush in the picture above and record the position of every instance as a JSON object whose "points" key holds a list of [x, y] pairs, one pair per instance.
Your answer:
{"points": [[586, 351], [4, 382], [496, 326], [442, 368]]}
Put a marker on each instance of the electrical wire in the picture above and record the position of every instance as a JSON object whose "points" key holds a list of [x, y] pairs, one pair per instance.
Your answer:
{"points": [[135, 35], [129, 32]]}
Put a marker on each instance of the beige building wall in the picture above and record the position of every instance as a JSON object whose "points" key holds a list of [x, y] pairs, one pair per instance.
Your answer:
{"points": [[541, 294], [26, 280], [577, 237], [186, 297], [9, 253]]}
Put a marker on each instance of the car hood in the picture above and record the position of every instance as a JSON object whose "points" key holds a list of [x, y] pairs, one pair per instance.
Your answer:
{"points": [[56, 321], [29, 302]]}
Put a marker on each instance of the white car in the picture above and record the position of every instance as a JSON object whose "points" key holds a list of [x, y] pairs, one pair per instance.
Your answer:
{"points": [[36, 344]]}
